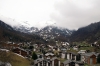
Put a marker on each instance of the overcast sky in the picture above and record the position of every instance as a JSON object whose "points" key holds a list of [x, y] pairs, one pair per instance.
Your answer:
{"points": [[70, 14]]}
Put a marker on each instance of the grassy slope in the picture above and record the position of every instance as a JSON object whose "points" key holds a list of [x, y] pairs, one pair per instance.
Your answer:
{"points": [[14, 59], [19, 61]]}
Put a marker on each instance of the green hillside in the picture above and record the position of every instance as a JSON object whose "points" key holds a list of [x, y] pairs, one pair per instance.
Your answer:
{"points": [[14, 59]]}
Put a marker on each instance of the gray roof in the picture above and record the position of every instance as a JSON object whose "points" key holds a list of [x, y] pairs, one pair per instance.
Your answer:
{"points": [[90, 54], [64, 52], [47, 60], [69, 61], [79, 62], [54, 58], [38, 60], [49, 54]]}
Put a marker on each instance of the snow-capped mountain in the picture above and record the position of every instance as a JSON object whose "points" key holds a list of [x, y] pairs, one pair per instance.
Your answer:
{"points": [[7, 33], [22, 26], [53, 32], [47, 33], [25, 28]]}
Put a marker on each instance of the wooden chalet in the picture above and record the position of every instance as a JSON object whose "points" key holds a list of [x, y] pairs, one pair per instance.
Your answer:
{"points": [[20, 51]]}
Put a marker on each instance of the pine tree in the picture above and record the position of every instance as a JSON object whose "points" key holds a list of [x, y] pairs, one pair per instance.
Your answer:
{"points": [[34, 56]]}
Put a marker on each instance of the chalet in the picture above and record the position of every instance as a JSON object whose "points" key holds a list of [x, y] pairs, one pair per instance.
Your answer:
{"points": [[10, 46], [65, 55], [89, 58], [20, 51], [72, 63], [47, 62], [72, 56], [38, 62], [55, 61], [68, 56], [49, 55]]}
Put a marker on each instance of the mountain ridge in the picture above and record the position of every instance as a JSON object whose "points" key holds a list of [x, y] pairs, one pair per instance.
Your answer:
{"points": [[48, 33], [7, 33], [90, 33]]}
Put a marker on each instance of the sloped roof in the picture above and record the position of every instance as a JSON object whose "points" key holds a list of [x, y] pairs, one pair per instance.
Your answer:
{"points": [[69, 61], [38, 60], [90, 54], [49, 54], [54, 58]]}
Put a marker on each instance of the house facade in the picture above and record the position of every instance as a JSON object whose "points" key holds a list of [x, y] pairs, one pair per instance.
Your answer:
{"points": [[89, 58], [20, 52], [72, 63], [47, 62]]}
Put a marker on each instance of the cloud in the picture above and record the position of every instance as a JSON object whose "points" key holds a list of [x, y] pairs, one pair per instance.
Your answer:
{"points": [[9, 21], [76, 13], [70, 14], [32, 11]]}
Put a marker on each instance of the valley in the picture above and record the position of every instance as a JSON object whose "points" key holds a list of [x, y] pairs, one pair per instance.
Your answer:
{"points": [[60, 46]]}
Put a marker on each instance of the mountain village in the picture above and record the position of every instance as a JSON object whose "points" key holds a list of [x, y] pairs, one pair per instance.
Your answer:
{"points": [[61, 54], [49, 32]]}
